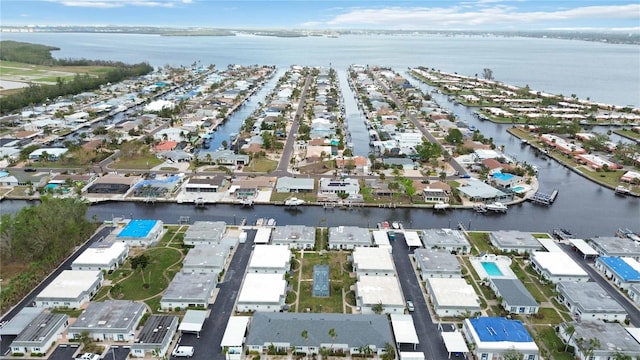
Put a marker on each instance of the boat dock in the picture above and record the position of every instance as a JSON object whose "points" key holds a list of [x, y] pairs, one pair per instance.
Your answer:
{"points": [[543, 198]]}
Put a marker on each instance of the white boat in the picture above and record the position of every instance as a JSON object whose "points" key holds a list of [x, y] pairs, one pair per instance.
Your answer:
{"points": [[293, 201], [395, 225], [259, 222], [497, 207], [441, 205], [621, 190], [271, 222]]}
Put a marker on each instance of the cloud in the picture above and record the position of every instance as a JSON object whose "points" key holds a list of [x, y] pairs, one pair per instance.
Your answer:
{"points": [[106, 4], [465, 16]]}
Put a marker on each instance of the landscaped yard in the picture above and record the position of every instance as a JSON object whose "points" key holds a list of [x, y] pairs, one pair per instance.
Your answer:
{"points": [[262, 165], [480, 240], [139, 162]]}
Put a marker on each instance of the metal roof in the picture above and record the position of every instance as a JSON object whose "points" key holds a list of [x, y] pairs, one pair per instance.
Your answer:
{"points": [[513, 292]]}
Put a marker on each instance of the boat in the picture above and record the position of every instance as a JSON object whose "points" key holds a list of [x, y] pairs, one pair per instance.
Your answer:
{"points": [[563, 234], [259, 222], [199, 202], [293, 202], [497, 207], [271, 222], [524, 142], [395, 225], [441, 205], [480, 208], [627, 234], [622, 191], [246, 202]]}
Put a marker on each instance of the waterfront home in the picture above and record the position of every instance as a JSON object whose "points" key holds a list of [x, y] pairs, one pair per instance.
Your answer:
{"points": [[437, 263], [376, 290], [287, 184], [283, 331], [155, 336], [71, 289], [596, 162], [437, 192], [189, 289], [514, 296], [478, 191], [115, 320], [622, 271], [140, 232], [328, 186], [175, 156], [452, 297], [613, 339], [514, 241], [223, 157], [629, 176], [589, 301], [615, 246], [262, 292], [348, 237], [373, 261], [205, 184], [295, 236], [447, 239], [39, 335], [634, 293], [561, 144], [493, 336], [172, 134], [504, 180], [205, 232]]}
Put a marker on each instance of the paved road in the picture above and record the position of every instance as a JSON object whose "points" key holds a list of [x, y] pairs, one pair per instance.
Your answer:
{"points": [[430, 341], [207, 347], [283, 165], [632, 310], [64, 352]]}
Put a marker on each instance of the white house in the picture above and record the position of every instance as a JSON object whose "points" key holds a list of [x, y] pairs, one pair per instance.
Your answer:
{"points": [[623, 271], [47, 154], [375, 290], [270, 259], [373, 261], [155, 336], [452, 297], [262, 292], [205, 232], [204, 258], [557, 266], [613, 339], [447, 239], [295, 236], [40, 334], [189, 290], [437, 263], [141, 232], [102, 256], [514, 241], [348, 237], [70, 289]]}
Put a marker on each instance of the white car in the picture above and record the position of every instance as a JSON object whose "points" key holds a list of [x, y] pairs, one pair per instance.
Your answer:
{"points": [[182, 351], [88, 356]]}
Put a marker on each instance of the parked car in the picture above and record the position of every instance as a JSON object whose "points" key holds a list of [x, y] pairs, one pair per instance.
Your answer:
{"points": [[88, 356], [410, 306], [465, 176], [182, 351], [29, 169]]}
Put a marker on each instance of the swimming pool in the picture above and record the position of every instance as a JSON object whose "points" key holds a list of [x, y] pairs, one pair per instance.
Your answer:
{"points": [[518, 189], [51, 186], [503, 177], [491, 268]]}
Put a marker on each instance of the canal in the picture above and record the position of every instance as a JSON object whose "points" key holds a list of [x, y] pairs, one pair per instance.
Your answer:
{"points": [[353, 117]]}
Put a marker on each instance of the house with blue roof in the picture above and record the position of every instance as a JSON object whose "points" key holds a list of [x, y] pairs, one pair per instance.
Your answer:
{"points": [[492, 336], [141, 232], [622, 271]]}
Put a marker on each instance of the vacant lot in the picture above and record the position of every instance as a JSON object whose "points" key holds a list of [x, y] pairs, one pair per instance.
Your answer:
{"points": [[20, 72]]}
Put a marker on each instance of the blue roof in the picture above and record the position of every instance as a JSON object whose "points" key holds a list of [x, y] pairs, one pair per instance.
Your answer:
{"points": [[493, 329], [321, 280], [621, 268], [137, 228]]}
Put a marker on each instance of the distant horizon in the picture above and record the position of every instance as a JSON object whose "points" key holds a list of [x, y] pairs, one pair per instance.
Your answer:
{"points": [[375, 15]]}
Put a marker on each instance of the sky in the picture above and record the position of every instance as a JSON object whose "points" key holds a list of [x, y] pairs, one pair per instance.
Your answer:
{"points": [[507, 15]]}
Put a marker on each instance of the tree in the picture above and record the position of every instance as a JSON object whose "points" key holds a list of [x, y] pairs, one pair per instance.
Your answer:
{"points": [[487, 74], [592, 344], [389, 352], [333, 335], [305, 335], [568, 330], [454, 136], [377, 308], [428, 150]]}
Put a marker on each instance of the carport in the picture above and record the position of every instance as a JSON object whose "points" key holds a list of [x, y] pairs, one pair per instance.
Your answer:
{"points": [[233, 338], [193, 321], [454, 342], [404, 331], [413, 239], [583, 248]]}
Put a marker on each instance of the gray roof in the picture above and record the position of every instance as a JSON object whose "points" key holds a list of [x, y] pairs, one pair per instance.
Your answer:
{"points": [[478, 189], [190, 287], [589, 296], [110, 316], [295, 183], [206, 256], [349, 235], [437, 260], [513, 292], [612, 336], [354, 330], [444, 237], [514, 239], [40, 329], [615, 246], [156, 329], [20, 321], [205, 231], [294, 234]]}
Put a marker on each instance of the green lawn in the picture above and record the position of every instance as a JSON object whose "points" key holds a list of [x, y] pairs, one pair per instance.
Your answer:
{"points": [[281, 197], [549, 337], [541, 235], [261, 165], [547, 315], [480, 240], [338, 276], [161, 259], [627, 133], [138, 162]]}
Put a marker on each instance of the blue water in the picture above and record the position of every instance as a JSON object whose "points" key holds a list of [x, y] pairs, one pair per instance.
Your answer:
{"points": [[51, 186], [137, 228], [518, 189], [491, 268]]}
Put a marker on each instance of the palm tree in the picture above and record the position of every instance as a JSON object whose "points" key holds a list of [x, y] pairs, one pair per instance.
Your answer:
{"points": [[333, 335], [568, 330], [305, 336]]}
